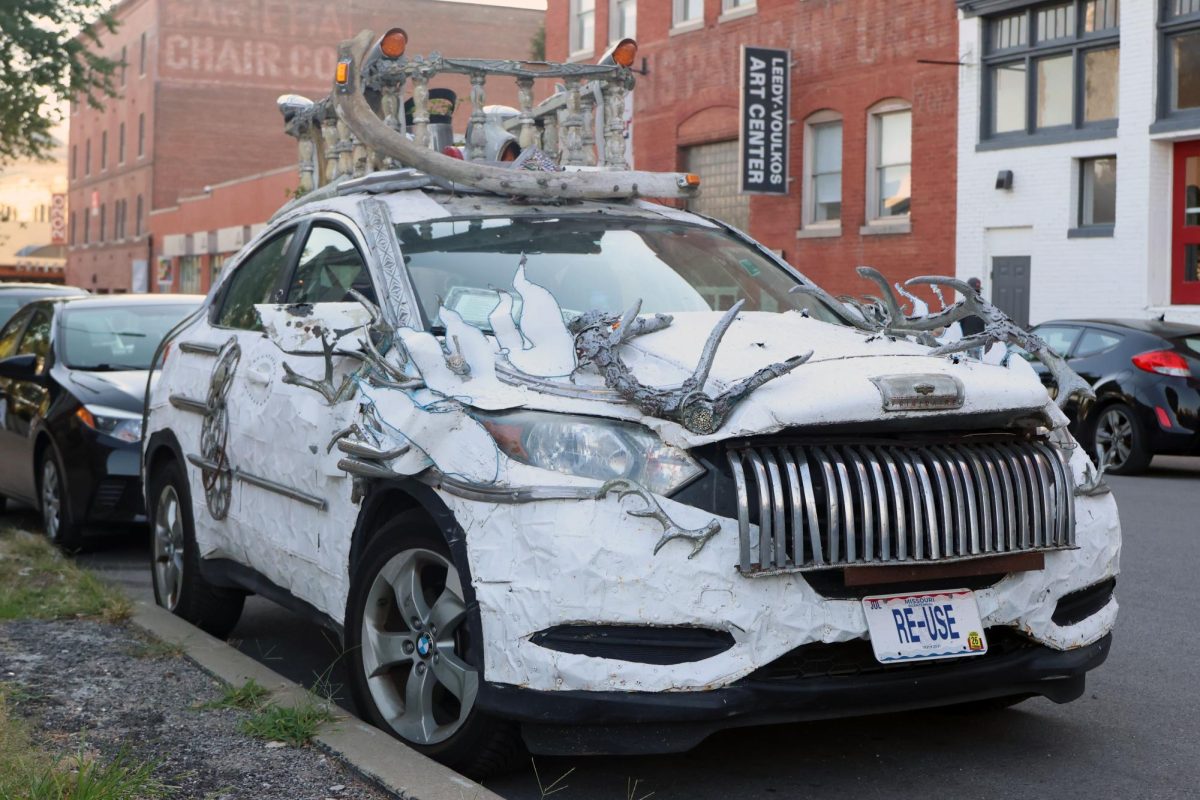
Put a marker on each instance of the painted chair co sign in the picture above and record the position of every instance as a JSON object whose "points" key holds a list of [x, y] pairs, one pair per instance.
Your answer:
{"points": [[764, 122]]}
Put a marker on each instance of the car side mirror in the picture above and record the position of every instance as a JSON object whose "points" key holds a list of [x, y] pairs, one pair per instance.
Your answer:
{"points": [[20, 368]]}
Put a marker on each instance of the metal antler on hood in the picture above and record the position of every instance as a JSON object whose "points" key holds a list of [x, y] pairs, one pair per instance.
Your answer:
{"points": [[597, 336], [885, 315]]}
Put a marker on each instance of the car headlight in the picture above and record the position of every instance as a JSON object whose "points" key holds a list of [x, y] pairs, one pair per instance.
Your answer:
{"points": [[123, 425], [591, 447]]}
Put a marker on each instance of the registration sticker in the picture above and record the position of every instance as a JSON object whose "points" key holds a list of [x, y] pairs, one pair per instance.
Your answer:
{"points": [[924, 626]]}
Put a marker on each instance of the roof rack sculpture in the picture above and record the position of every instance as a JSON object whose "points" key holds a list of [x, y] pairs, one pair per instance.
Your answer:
{"points": [[360, 127]]}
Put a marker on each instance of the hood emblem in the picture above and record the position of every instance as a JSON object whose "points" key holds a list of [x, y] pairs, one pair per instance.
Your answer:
{"points": [[919, 392]]}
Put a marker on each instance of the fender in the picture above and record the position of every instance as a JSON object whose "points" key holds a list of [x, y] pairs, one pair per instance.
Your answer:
{"points": [[155, 445]]}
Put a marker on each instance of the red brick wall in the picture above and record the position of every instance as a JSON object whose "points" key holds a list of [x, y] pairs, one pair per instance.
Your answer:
{"points": [[213, 71], [847, 55]]}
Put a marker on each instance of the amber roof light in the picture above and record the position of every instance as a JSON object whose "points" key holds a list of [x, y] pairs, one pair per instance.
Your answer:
{"points": [[625, 52], [393, 43]]}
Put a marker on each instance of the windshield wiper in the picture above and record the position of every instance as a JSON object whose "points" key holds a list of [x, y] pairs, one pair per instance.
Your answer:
{"points": [[106, 367]]}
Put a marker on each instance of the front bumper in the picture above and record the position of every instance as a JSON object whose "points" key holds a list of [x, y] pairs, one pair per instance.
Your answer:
{"points": [[104, 477], [564, 723]]}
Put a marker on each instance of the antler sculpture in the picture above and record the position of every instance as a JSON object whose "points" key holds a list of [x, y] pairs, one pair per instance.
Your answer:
{"points": [[884, 314], [597, 336], [652, 510]]}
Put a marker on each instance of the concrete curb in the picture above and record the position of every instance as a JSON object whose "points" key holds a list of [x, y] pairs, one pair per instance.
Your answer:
{"points": [[379, 757]]}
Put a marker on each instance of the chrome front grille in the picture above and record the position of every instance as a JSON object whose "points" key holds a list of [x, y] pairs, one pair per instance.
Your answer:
{"points": [[815, 506]]}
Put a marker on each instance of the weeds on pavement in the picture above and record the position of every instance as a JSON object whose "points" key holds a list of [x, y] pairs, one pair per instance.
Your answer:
{"points": [[251, 696], [36, 582], [295, 725], [28, 773]]}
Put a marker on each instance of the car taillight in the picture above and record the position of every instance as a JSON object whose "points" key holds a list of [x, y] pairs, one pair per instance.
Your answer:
{"points": [[1164, 362]]}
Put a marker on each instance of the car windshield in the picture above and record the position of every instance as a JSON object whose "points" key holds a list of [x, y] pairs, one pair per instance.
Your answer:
{"points": [[603, 263], [117, 337]]}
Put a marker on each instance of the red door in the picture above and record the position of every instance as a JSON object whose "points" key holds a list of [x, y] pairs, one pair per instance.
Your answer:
{"points": [[1185, 267]]}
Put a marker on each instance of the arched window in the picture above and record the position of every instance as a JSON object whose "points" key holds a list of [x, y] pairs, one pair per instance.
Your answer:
{"points": [[822, 192], [889, 161]]}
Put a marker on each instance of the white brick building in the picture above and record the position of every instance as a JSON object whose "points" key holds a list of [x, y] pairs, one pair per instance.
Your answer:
{"points": [[1078, 100]]}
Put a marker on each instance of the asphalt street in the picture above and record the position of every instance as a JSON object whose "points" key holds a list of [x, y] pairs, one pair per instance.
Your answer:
{"points": [[1134, 734]]}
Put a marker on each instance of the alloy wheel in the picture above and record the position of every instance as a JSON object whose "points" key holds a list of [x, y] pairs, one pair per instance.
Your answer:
{"points": [[168, 547], [51, 500], [1114, 438], [413, 638]]}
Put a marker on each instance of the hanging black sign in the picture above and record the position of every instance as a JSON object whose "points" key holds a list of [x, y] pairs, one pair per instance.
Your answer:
{"points": [[764, 122]]}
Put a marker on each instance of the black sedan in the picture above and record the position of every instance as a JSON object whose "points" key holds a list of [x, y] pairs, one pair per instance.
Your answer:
{"points": [[1146, 374], [73, 375], [15, 295]]}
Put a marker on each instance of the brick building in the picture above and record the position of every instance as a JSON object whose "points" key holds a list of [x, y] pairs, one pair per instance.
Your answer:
{"points": [[873, 111], [197, 108]]}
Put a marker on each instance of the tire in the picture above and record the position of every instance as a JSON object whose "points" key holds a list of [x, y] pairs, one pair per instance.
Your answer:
{"points": [[400, 656], [1117, 430], [61, 529], [175, 559]]}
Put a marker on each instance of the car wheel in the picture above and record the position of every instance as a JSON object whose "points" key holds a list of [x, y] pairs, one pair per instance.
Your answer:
{"points": [[1119, 434], [60, 529], [414, 668], [175, 560]]}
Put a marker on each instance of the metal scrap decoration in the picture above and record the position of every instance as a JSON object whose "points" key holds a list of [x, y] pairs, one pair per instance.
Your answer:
{"points": [[652, 510], [214, 430], [598, 335], [884, 315]]}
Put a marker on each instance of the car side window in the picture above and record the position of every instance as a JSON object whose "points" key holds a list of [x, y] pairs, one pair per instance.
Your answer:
{"points": [[330, 266], [36, 340], [252, 282], [12, 332], [1094, 342], [1059, 337]]}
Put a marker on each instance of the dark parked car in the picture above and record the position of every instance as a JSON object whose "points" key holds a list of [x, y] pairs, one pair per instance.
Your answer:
{"points": [[15, 295], [73, 374], [1147, 379]]}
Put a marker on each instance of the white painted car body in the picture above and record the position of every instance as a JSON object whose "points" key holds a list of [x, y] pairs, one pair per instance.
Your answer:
{"points": [[534, 565]]}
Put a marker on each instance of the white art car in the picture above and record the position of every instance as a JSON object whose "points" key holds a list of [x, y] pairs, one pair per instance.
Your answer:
{"points": [[575, 472]]}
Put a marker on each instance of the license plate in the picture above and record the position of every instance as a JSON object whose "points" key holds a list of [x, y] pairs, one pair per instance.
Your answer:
{"points": [[924, 626]]}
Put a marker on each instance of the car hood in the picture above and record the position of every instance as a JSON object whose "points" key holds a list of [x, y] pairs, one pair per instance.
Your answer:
{"points": [[123, 389], [838, 384]]}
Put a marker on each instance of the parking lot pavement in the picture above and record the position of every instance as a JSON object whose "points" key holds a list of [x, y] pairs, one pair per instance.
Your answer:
{"points": [[1132, 734]]}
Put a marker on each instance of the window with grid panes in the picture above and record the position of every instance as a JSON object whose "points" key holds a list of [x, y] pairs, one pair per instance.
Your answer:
{"points": [[1052, 70], [1179, 59]]}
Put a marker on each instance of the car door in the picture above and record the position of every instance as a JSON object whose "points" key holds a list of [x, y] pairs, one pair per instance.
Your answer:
{"points": [[1091, 355], [10, 337], [28, 402], [1061, 339], [310, 506], [229, 519]]}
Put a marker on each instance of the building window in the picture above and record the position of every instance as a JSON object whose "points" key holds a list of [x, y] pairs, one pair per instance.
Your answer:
{"points": [[583, 26], [137, 219], [1179, 62], [735, 5], [122, 65], [103, 221], [142, 56], [74, 159], [1097, 211], [622, 20], [87, 157], [822, 199], [1051, 70], [71, 237], [121, 144], [684, 12], [87, 227], [889, 161], [141, 134], [189, 274], [103, 151]]}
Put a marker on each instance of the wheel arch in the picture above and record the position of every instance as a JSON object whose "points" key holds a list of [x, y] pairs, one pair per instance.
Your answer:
{"points": [[161, 448], [385, 499]]}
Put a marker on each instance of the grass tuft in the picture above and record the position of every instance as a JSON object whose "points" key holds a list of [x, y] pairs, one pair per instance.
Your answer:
{"points": [[31, 774], [250, 695], [36, 582], [295, 726], [156, 649]]}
